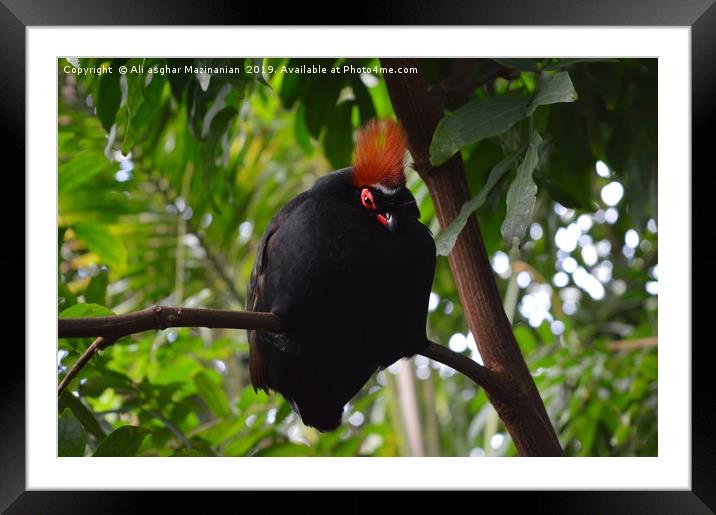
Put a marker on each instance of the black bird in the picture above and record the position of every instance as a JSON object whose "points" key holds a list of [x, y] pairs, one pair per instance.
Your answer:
{"points": [[348, 267]]}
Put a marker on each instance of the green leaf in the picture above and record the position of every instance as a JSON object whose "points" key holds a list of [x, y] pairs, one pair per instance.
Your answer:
{"points": [[178, 82], [97, 381], [80, 170], [72, 437], [64, 295], [109, 248], [300, 132], [96, 291], [109, 96], [178, 369], [525, 65], [363, 99], [552, 90], [133, 102], [217, 118], [320, 101], [621, 435], [526, 338], [243, 446], [249, 397], [226, 430], [86, 310], [217, 128], [569, 173], [212, 394], [568, 197], [521, 195], [338, 136], [292, 87], [259, 77], [445, 241], [478, 119], [347, 448], [197, 107], [284, 410], [82, 412], [142, 111], [124, 441]]}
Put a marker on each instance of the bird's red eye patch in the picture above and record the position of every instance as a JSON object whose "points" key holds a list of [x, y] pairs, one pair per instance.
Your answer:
{"points": [[366, 198]]}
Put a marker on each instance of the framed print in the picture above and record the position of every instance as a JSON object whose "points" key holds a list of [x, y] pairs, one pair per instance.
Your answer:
{"points": [[249, 227]]}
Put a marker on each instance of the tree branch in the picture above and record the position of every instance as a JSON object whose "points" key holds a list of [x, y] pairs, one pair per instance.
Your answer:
{"points": [[111, 328], [523, 412], [162, 317], [461, 83], [480, 374], [97, 345]]}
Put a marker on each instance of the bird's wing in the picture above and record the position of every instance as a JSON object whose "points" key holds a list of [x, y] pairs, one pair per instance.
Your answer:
{"points": [[258, 360]]}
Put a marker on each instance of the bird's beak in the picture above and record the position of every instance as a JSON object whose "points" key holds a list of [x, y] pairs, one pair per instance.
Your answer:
{"points": [[389, 221], [392, 221]]}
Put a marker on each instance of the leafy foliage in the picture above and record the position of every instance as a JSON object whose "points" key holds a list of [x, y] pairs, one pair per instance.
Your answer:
{"points": [[124, 441], [522, 195], [167, 181], [447, 238], [71, 435], [478, 119]]}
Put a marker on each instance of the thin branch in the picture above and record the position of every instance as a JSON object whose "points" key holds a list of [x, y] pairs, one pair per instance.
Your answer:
{"points": [[99, 344], [170, 425], [480, 374], [112, 328]]}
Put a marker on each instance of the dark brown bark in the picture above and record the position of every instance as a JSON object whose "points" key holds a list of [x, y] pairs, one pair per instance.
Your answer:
{"points": [[161, 317], [519, 404], [109, 329]]}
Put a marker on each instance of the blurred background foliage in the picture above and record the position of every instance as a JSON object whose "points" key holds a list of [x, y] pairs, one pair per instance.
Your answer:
{"points": [[168, 180]]}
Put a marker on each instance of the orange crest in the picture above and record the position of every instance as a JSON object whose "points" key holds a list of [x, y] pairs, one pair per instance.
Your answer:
{"points": [[379, 153]]}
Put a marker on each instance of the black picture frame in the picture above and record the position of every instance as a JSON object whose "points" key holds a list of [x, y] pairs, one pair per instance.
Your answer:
{"points": [[700, 15]]}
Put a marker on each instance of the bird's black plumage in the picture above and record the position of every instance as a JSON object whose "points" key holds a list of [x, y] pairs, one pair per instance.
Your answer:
{"points": [[352, 295]]}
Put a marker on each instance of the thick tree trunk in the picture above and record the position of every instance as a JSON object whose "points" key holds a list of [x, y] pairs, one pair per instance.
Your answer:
{"points": [[522, 410]]}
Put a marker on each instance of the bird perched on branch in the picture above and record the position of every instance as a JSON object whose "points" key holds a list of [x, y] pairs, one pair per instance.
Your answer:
{"points": [[347, 266]]}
